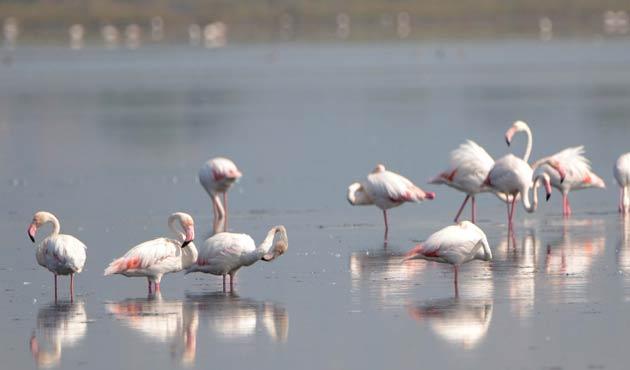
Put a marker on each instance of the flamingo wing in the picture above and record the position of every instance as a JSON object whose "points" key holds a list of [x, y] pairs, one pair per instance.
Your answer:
{"points": [[393, 187], [63, 253], [457, 243], [160, 251], [224, 251]]}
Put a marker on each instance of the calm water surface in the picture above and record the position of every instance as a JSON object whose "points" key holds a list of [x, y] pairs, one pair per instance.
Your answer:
{"points": [[111, 142]]}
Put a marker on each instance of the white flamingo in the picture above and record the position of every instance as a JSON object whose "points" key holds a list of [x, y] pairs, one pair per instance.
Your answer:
{"points": [[217, 175], [512, 176], [61, 254], [578, 173], [622, 175], [154, 258], [455, 245], [385, 189], [225, 253], [467, 172]]}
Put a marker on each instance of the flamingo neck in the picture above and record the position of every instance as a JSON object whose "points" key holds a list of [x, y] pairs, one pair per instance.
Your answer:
{"points": [[171, 225], [218, 224], [528, 149], [357, 195], [530, 208], [266, 244], [55, 222]]}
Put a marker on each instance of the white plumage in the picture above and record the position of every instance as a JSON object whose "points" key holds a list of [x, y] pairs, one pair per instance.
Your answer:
{"points": [[154, 258], [621, 171], [216, 176], [225, 253], [61, 254]]}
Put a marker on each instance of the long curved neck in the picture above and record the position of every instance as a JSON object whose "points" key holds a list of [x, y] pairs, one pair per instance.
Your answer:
{"points": [[172, 221], [531, 207], [358, 196], [528, 149], [55, 222], [218, 224], [266, 244]]}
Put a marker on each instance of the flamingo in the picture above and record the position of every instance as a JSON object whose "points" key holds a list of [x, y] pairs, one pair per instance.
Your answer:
{"points": [[225, 253], [61, 254], [456, 244], [578, 173], [469, 168], [154, 258], [512, 176], [622, 174], [217, 175], [385, 189]]}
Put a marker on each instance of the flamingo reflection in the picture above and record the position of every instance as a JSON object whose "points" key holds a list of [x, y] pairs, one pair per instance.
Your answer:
{"points": [[458, 321], [58, 326], [623, 254]]}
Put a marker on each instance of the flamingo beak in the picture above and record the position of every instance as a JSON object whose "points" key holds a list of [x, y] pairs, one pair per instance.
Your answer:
{"points": [[429, 195], [190, 235], [508, 135], [31, 232], [413, 253]]}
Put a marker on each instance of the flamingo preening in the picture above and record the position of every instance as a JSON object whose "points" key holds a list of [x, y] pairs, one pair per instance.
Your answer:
{"points": [[578, 173], [455, 245], [622, 175], [61, 254], [512, 176], [217, 175], [385, 189], [154, 258], [225, 253]]}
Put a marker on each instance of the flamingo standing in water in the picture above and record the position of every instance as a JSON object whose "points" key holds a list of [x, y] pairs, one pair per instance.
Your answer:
{"points": [[154, 258], [385, 190], [217, 175], [225, 253], [578, 173], [61, 254], [512, 176], [469, 168], [622, 174], [455, 245]]}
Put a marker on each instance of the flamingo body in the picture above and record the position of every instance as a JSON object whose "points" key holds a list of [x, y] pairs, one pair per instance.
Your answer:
{"points": [[469, 167], [216, 176], [621, 171]]}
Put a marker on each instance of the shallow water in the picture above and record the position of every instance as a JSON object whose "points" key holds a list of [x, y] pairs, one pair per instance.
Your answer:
{"points": [[111, 142]]}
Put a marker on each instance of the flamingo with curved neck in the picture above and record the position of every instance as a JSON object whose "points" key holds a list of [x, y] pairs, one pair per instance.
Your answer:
{"points": [[217, 176]]}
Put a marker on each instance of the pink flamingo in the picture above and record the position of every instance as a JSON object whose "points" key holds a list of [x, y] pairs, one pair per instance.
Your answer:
{"points": [[622, 175], [512, 176], [578, 173], [217, 175], [155, 258], [225, 253], [455, 245], [385, 190], [61, 254], [469, 168]]}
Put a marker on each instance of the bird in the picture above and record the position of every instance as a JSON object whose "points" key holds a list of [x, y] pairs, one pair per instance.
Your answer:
{"points": [[225, 253], [469, 168], [455, 244], [578, 173], [622, 175], [513, 176], [154, 258], [217, 175], [61, 254], [385, 189]]}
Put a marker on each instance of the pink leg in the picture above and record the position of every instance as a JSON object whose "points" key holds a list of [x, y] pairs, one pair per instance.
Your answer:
{"points": [[55, 288], [564, 204], [232, 282], [512, 212], [71, 287], [621, 199], [223, 283], [226, 211], [455, 282], [386, 226], [474, 209], [569, 211], [157, 287], [461, 208]]}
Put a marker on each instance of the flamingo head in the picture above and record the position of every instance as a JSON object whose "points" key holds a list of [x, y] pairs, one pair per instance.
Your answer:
{"points": [[39, 218], [547, 185], [280, 247], [559, 168], [188, 226], [379, 168], [516, 127], [429, 195], [415, 253]]}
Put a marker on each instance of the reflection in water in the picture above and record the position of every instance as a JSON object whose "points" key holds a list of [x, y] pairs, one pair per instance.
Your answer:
{"points": [[623, 254], [58, 325], [164, 321], [569, 260], [235, 319], [382, 275], [458, 321]]}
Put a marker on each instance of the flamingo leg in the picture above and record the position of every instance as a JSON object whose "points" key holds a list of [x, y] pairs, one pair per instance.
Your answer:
{"points": [[512, 212], [621, 199], [386, 225], [214, 216], [461, 208], [474, 209], [564, 204], [232, 281], [455, 281], [55, 287], [223, 283], [71, 287], [569, 211], [157, 287], [225, 224], [150, 290]]}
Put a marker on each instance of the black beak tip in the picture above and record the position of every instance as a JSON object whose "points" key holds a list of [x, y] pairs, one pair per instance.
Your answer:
{"points": [[562, 180], [185, 243], [31, 237], [548, 196], [507, 141]]}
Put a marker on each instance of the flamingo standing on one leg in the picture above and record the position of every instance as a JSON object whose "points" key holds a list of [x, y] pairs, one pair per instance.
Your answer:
{"points": [[386, 190], [455, 245], [225, 253], [469, 168], [622, 175], [578, 173], [512, 176], [154, 258], [61, 254], [217, 175]]}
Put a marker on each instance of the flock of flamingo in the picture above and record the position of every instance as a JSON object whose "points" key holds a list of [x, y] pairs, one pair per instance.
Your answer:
{"points": [[472, 171]]}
